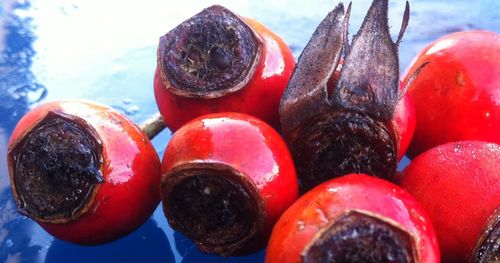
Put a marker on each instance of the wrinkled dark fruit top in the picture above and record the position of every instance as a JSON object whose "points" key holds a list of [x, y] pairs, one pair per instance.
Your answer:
{"points": [[56, 168], [214, 207], [488, 248], [357, 237], [369, 78], [209, 55], [368, 87]]}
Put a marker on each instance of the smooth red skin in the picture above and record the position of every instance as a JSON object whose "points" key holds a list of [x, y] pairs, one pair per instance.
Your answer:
{"points": [[131, 172], [457, 95], [259, 98], [460, 189], [404, 122], [333, 198], [248, 145]]}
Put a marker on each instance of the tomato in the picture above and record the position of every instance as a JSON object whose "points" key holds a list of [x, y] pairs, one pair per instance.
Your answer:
{"points": [[199, 83], [354, 218], [83, 171], [458, 184], [226, 179], [457, 95]]}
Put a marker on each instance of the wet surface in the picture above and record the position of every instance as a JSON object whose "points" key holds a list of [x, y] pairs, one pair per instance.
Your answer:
{"points": [[105, 51]]}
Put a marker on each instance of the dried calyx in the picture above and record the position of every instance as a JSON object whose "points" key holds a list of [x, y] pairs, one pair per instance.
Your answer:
{"points": [[214, 206], [352, 119], [488, 246], [56, 168], [209, 55], [357, 237]]}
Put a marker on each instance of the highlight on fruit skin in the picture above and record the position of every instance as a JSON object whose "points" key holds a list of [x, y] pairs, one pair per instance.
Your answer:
{"points": [[83, 171], [458, 184], [226, 179], [354, 218], [217, 61], [348, 128], [457, 94]]}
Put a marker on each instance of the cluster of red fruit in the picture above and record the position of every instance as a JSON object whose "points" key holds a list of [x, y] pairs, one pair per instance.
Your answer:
{"points": [[228, 179]]}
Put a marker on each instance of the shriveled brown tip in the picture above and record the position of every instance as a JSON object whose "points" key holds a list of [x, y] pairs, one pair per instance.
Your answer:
{"points": [[306, 93], [337, 143], [369, 80], [213, 205], [488, 245], [209, 55], [359, 237], [55, 168]]}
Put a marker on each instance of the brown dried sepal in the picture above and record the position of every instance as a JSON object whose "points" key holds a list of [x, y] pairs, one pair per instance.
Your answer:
{"points": [[358, 237], [209, 55], [367, 90], [488, 245], [55, 168], [213, 205]]}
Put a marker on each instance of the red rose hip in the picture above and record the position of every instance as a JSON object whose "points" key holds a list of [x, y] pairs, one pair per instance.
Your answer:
{"points": [[457, 95], [83, 171], [217, 61], [348, 126], [354, 218], [226, 179], [458, 184]]}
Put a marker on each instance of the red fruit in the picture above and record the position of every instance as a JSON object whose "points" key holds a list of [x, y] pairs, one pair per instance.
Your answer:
{"points": [[457, 95], [226, 179], [217, 61], [458, 184], [404, 122], [354, 218], [348, 128], [83, 171]]}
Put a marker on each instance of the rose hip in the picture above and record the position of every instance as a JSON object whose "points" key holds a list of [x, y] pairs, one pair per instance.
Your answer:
{"points": [[226, 179], [354, 218], [458, 184], [349, 129], [83, 171], [218, 61]]}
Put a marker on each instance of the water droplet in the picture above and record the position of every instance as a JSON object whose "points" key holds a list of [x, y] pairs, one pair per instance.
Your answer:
{"points": [[9, 243], [300, 225], [132, 110]]}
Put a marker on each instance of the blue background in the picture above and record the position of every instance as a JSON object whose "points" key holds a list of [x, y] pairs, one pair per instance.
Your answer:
{"points": [[105, 51]]}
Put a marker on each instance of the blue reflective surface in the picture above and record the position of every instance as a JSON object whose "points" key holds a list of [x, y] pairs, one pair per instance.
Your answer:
{"points": [[105, 51]]}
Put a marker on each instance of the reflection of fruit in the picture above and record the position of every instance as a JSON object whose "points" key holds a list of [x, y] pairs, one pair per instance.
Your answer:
{"points": [[458, 184], [354, 218], [226, 179], [83, 171], [217, 61], [457, 95]]}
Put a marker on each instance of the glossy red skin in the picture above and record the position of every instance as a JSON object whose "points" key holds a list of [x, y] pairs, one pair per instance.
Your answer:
{"points": [[458, 184], [404, 122], [457, 95], [259, 98], [246, 144], [333, 198], [131, 172]]}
